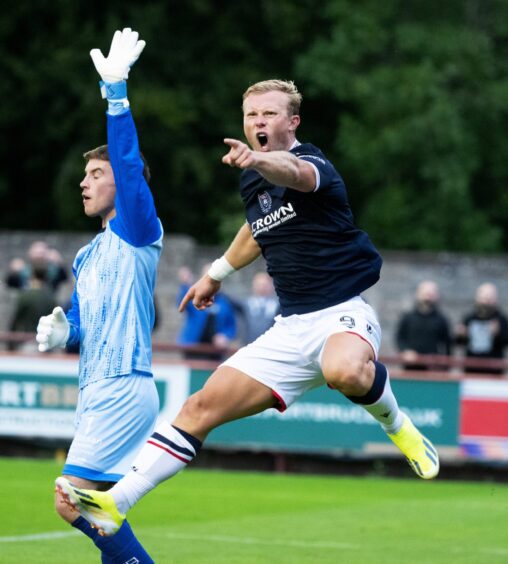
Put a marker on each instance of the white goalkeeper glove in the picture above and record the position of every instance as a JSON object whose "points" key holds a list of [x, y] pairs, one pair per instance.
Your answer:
{"points": [[123, 53], [53, 330]]}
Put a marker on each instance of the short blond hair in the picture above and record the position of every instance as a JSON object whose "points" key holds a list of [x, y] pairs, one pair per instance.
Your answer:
{"points": [[286, 86]]}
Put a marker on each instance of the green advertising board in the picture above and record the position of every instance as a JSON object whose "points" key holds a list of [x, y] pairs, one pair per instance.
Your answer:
{"points": [[38, 395], [38, 399], [323, 421]]}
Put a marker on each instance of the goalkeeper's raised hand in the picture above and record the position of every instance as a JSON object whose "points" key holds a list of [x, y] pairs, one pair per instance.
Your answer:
{"points": [[125, 49], [52, 330]]}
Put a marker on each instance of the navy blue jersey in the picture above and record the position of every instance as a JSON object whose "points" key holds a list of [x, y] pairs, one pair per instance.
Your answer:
{"points": [[315, 254]]}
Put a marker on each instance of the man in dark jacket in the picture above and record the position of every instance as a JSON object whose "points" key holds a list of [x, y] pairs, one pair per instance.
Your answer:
{"points": [[424, 330], [484, 331]]}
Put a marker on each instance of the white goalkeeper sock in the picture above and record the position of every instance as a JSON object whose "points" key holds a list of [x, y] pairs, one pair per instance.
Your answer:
{"points": [[165, 453]]}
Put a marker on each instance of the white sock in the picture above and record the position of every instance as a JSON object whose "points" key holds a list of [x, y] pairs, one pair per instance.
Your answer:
{"points": [[380, 402], [164, 454], [386, 410]]}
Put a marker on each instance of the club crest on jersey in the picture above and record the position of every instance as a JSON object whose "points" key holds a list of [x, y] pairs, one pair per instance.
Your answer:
{"points": [[265, 202]]}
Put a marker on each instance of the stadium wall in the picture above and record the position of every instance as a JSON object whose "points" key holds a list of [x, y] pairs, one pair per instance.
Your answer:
{"points": [[458, 275]]}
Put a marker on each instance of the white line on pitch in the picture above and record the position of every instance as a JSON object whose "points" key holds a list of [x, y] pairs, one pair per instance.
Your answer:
{"points": [[38, 537], [497, 551], [494, 551], [249, 540]]}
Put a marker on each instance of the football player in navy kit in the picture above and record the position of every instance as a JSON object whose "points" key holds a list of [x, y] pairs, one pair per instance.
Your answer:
{"points": [[299, 219]]}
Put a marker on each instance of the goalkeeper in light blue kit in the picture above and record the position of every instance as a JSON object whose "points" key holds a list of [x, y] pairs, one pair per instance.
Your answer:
{"points": [[112, 312]]}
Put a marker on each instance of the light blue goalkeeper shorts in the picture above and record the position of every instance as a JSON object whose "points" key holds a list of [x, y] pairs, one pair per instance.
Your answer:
{"points": [[114, 418]]}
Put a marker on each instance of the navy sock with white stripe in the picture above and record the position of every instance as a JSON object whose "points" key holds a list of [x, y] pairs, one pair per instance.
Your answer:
{"points": [[165, 453]]}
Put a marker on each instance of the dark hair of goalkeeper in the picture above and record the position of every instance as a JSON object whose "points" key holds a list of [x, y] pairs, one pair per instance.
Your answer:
{"points": [[102, 154]]}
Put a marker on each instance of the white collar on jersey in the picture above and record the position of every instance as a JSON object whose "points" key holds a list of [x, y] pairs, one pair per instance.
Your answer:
{"points": [[295, 144]]}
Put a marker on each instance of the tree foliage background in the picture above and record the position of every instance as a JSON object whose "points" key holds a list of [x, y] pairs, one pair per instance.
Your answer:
{"points": [[408, 98]]}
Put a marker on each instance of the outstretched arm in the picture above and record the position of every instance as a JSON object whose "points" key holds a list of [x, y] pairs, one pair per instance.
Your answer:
{"points": [[242, 251], [136, 219], [281, 168]]}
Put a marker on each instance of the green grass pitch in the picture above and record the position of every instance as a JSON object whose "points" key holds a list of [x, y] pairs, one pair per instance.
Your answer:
{"points": [[249, 518]]}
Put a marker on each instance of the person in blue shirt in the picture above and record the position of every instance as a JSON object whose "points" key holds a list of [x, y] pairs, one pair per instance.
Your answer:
{"points": [[214, 326], [112, 308], [298, 217]]}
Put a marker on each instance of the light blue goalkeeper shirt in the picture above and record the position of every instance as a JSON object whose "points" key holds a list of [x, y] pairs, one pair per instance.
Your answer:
{"points": [[112, 312]]}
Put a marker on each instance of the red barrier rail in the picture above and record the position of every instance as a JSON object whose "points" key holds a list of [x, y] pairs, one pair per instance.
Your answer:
{"points": [[439, 365]]}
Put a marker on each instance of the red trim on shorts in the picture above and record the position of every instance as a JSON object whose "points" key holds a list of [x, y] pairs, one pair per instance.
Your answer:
{"points": [[363, 339], [281, 404], [168, 451]]}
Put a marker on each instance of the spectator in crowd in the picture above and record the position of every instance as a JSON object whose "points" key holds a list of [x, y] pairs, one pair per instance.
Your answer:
{"points": [[42, 257], [213, 326], [424, 329], [484, 330], [32, 302], [257, 312]]}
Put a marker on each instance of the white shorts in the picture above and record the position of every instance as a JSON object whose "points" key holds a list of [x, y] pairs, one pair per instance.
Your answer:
{"points": [[114, 417], [287, 358]]}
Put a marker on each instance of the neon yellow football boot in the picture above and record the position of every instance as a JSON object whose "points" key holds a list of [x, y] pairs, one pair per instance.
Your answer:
{"points": [[418, 450], [98, 508]]}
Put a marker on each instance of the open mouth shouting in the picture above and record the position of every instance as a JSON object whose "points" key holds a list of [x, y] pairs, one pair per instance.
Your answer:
{"points": [[262, 139]]}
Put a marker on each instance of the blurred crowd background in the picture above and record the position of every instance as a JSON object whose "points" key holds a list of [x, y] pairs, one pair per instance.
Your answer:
{"points": [[439, 304], [408, 99]]}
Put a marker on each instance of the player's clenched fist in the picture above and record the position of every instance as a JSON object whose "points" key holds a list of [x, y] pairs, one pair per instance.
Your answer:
{"points": [[52, 330], [240, 154]]}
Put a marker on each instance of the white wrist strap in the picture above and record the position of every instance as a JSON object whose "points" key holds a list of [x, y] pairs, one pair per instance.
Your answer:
{"points": [[220, 269]]}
